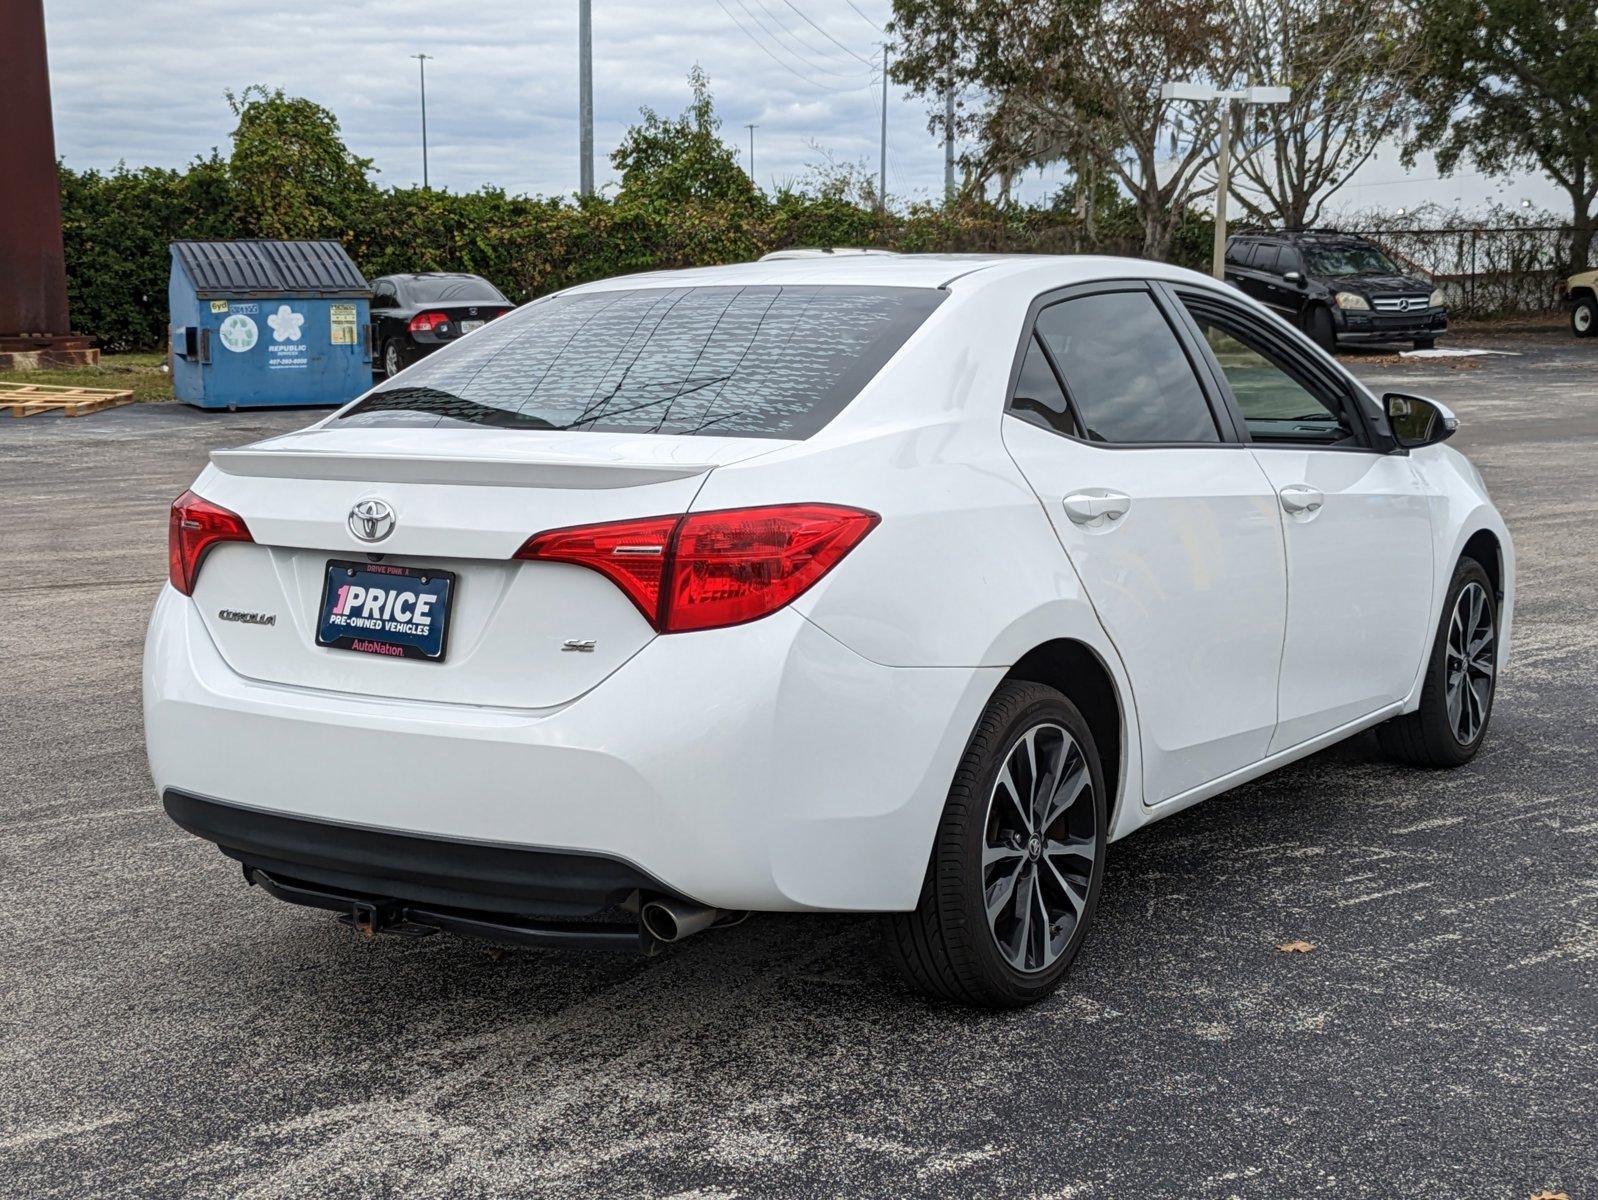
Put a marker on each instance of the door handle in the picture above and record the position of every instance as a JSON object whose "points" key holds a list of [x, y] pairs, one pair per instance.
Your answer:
{"points": [[1301, 499], [1096, 507]]}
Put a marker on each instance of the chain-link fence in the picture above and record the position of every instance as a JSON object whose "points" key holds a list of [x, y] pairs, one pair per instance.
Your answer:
{"points": [[1487, 271]]}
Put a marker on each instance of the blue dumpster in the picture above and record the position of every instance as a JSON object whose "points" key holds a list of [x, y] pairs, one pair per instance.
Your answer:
{"points": [[257, 324]]}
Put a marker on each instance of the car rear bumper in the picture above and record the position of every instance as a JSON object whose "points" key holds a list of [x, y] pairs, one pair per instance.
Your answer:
{"points": [[445, 872], [764, 766]]}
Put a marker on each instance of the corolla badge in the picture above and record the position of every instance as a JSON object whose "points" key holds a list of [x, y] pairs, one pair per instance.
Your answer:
{"points": [[372, 520]]}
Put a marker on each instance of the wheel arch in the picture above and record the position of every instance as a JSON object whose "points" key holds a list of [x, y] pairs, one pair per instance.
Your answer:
{"points": [[1077, 671], [1481, 535], [1485, 548]]}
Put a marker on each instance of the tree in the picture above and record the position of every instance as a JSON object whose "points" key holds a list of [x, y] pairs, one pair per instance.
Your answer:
{"points": [[1078, 81], [682, 160], [1349, 65], [293, 176], [1511, 85]]}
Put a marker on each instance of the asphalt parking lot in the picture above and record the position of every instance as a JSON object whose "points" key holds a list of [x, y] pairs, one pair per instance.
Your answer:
{"points": [[165, 1031]]}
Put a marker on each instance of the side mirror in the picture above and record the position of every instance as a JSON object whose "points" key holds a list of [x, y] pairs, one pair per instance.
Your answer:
{"points": [[1293, 277], [1417, 421]]}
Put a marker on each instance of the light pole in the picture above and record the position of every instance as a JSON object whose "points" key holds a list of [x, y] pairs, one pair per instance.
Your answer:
{"points": [[882, 146], [585, 98], [421, 66], [1204, 94], [751, 128]]}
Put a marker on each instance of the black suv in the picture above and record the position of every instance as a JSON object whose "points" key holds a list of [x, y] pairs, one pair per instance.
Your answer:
{"points": [[1336, 287]]}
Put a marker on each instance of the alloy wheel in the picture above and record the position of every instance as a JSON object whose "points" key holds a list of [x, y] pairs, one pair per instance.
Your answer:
{"points": [[391, 362], [1469, 663], [1039, 848]]}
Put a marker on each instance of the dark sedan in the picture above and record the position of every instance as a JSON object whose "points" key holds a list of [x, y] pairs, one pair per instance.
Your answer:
{"points": [[416, 314]]}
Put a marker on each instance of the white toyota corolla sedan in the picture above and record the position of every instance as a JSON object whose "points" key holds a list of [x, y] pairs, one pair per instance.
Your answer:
{"points": [[832, 582]]}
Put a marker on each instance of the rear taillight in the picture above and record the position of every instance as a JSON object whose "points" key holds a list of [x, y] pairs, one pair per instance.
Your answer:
{"points": [[428, 321], [194, 527], [631, 553], [712, 569]]}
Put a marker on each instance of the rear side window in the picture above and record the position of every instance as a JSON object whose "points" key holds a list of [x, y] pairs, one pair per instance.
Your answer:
{"points": [[1038, 397], [742, 361], [1127, 374]]}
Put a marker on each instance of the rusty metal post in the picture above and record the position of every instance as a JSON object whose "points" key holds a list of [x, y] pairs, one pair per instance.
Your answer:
{"points": [[33, 274]]}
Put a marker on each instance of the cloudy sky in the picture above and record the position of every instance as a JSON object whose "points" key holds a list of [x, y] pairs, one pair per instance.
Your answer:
{"points": [[143, 81]]}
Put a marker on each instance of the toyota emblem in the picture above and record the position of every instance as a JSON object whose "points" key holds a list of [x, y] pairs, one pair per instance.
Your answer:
{"points": [[371, 520]]}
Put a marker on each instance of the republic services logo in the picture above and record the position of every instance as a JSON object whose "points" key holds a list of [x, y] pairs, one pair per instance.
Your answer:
{"points": [[286, 324]]}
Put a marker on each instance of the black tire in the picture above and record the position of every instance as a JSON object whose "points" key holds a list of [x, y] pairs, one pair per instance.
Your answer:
{"points": [[393, 358], [1584, 317], [1428, 737], [1318, 324], [946, 947], [1425, 343]]}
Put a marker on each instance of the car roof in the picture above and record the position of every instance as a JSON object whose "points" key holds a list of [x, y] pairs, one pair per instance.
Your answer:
{"points": [[1318, 237], [431, 275], [954, 271]]}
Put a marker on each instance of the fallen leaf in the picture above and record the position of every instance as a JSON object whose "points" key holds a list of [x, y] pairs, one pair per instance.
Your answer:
{"points": [[1302, 947], [1545, 1194]]}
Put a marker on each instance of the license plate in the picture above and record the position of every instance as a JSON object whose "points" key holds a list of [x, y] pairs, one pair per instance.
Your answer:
{"points": [[396, 612], [468, 326]]}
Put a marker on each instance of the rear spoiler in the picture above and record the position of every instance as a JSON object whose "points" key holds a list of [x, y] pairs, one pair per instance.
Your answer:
{"points": [[433, 468]]}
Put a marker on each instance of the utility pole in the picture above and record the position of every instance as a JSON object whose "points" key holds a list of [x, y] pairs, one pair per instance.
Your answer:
{"points": [[751, 128], [421, 66], [882, 149], [585, 97], [948, 142]]}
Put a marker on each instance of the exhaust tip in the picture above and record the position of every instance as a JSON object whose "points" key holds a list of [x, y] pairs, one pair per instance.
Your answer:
{"points": [[673, 920]]}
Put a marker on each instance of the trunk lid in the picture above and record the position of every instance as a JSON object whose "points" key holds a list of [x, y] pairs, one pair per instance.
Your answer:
{"points": [[464, 500]]}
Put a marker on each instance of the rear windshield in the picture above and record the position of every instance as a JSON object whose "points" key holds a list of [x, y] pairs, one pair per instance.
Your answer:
{"points": [[743, 361], [457, 290]]}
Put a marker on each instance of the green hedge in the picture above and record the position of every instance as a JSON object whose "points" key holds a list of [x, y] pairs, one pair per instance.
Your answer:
{"points": [[118, 225]]}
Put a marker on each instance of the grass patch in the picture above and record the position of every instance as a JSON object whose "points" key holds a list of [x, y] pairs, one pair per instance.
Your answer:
{"points": [[141, 372]]}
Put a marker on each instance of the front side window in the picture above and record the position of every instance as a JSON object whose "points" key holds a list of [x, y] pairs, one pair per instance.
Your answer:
{"points": [[1125, 370], [1278, 403], [742, 361]]}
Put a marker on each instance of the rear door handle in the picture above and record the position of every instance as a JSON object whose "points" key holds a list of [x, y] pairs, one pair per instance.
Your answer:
{"points": [[1096, 507], [1301, 499]]}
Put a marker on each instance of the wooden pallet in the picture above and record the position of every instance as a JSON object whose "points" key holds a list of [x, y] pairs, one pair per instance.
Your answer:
{"points": [[27, 399]]}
